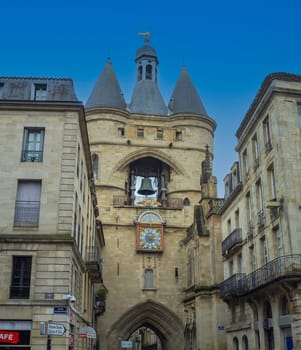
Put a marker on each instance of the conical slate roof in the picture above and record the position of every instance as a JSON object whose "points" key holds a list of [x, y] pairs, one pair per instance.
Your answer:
{"points": [[147, 99], [185, 98], [106, 92]]}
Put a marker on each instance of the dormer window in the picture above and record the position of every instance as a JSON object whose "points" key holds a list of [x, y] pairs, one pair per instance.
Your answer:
{"points": [[40, 92]]}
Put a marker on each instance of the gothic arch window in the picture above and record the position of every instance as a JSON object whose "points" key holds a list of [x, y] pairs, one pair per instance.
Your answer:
{"points": [[235, 344], [245, 344], [148, 72], [186, 201], [139, 73], [95, 165]]}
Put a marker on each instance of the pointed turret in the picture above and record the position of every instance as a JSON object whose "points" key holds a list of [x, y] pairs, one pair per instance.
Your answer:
{"points": [[185, 98], [106, 92], [146, 97]]}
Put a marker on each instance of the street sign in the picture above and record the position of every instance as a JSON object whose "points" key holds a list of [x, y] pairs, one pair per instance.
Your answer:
{"points": [[126, 344], [56, 329], [60, 310]]}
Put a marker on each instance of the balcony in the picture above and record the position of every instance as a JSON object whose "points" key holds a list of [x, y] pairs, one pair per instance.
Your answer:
{"points": [[124, 200], [27, 214], [285, 267], [233, 285], [234, 238], [93, 264]]}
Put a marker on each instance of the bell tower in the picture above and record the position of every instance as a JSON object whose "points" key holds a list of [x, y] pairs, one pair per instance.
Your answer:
{"points": [[147, 163]]}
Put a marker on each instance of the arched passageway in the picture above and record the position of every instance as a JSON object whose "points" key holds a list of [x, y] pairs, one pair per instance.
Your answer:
{"points": [[165, 323]]}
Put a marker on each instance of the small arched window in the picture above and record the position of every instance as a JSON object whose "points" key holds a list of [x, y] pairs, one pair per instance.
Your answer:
{"points": [[139, 73], [245, 344], [235, 344], [186, 201], [148, 72], [95, 165]]}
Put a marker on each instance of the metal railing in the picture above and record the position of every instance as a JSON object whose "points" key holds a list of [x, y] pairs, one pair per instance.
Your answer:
{"points": [[18, 291], [32, 156], [27, 213], [287, 266], [235, 237], [124, 200]]}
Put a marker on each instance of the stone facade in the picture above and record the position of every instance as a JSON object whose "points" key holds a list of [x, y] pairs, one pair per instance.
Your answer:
{"points": [[47, 220], [260, 222]]}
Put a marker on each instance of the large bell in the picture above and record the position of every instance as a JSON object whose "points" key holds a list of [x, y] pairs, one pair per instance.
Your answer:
{"points": [[146, 187]]}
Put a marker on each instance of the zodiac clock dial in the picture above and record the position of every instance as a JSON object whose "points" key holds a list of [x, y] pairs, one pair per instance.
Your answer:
{"points": [[150, 239]]}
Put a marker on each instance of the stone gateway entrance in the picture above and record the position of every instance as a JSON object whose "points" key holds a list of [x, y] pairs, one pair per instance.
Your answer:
{"points": [[167, 325]]}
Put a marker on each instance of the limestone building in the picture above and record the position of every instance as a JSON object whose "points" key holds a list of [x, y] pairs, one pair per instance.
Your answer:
{"points": [[261, 222], [147, 162], [50, 238]]}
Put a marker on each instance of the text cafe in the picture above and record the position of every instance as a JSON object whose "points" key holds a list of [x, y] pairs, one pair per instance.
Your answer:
{"points": [[15, 333]]}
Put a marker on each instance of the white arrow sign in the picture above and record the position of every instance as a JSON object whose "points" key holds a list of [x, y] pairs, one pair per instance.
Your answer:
{"points": [[56, 329]]}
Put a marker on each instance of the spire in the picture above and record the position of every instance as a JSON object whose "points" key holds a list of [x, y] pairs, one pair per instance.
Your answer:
{"points": [[185, 98], [146, 98], [106, 92]]}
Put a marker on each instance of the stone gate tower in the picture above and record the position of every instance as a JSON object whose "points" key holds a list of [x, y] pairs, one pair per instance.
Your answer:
{"points": [[147, 159]]}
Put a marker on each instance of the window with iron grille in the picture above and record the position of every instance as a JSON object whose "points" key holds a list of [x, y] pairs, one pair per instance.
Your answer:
{"points": [[21, 274], [33, 144], [27, 207]]}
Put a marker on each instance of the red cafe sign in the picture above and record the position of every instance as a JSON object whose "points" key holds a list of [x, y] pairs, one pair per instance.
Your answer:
{"points": [[9, 337]]}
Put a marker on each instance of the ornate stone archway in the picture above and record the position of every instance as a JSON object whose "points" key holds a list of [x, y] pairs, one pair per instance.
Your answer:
{"points": [[163, 321]]}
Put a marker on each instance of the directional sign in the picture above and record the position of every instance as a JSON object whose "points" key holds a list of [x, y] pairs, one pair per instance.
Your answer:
{"points": [[126, 344], [56, 329]]}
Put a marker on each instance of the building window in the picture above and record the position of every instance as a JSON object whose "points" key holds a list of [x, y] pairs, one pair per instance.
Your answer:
{"points": [[20, 280], [235, 344], [121, 132], [259, 196], [278, 241], [33, 144], [299, 112], [140, 73], [27, 209], [271, 180], [179, 135], [245, 163], [252, 258], [267, 134], [264, 250], [148, 72], [140, 132], [239, 263], [148, 279], [95, 165], [245, 344], [40, 92], [249, 212], [160, 134], [255, 150]]}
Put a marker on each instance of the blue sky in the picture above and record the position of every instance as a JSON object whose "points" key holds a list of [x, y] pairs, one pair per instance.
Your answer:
{"points": [[228, 47]]}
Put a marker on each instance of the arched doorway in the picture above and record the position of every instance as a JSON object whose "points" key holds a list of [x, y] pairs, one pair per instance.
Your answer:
{"points": [[164, 323]]}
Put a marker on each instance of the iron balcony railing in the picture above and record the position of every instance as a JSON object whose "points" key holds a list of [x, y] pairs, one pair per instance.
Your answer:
{"points": [[93, 263], [124, 200], [235, 237], [288, 266], [27, 213], [32, 156], [19, 291]]}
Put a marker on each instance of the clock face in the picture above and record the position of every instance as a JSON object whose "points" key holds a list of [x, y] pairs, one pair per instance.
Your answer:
{"points": [[150, 238]]}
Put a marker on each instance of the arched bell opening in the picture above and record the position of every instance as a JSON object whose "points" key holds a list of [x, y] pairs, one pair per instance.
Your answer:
{"points": [[148, 180]]}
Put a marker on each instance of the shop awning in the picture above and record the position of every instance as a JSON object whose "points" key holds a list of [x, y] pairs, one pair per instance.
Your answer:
{"points": [[87, 332]]}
